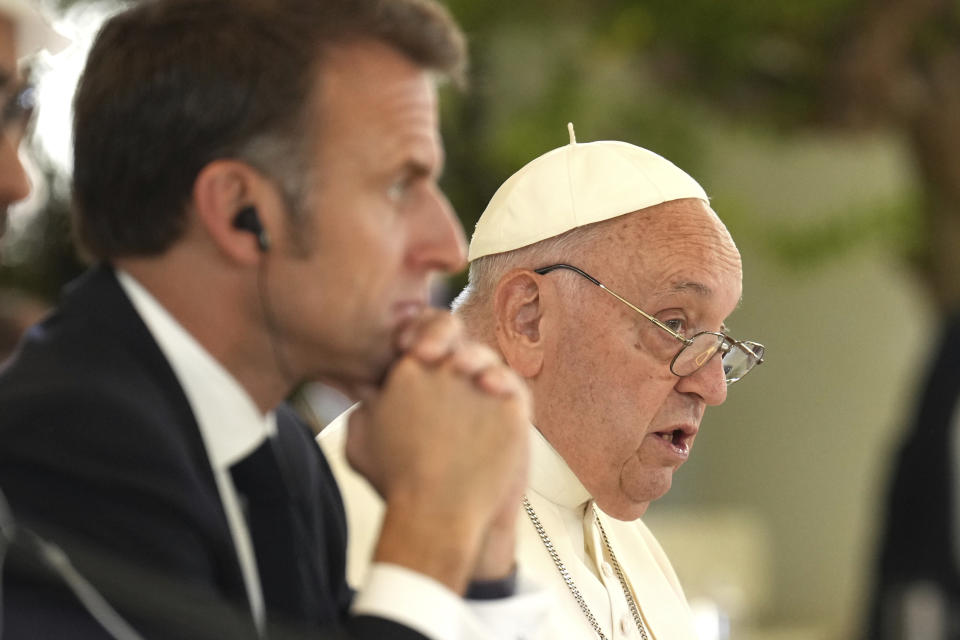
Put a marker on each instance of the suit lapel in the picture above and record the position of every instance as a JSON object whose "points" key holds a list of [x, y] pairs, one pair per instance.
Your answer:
{"points": [[97, 300]]}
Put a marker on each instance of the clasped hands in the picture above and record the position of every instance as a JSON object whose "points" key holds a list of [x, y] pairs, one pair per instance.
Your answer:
{"points": [[444, 441]]}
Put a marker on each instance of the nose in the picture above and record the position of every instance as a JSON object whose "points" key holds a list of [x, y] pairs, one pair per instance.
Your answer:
{"points": [[708, 382], [438, 242], [14, 184]]}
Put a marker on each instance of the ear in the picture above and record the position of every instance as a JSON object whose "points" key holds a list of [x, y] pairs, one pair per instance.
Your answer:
{"points": [[221, 190], [518, 314]]}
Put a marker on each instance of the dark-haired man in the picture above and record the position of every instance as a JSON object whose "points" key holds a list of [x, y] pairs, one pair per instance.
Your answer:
{"points": [[257, 183]]}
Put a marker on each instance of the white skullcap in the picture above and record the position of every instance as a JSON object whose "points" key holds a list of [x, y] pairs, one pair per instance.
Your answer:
{"points": [[573, 186], [34, 33]]}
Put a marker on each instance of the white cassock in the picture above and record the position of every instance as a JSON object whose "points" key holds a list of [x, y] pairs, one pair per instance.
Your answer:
{"points": [[566, 512]]}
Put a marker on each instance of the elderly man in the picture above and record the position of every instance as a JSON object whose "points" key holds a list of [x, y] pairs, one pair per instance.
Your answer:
{"points": [[256, 181], [603, 277], [23, 32]]}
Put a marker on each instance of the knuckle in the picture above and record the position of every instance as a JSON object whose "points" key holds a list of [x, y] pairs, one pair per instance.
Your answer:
{"points": [[442, 321], [403, 370]]}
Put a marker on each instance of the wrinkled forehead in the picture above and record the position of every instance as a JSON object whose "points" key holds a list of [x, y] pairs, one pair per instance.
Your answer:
{"points": [[668, 246]]}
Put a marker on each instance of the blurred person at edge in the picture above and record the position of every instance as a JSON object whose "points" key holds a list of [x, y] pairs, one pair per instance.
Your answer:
{"points": [[916, 585], [23, 32], [618, 394], [257, 183]]}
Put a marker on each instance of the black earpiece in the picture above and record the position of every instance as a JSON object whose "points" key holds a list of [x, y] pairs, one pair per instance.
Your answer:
{"points": [[248, 219]]}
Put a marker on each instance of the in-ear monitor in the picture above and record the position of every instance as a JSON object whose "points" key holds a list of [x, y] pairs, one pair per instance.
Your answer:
{"points": [[247, 219]]}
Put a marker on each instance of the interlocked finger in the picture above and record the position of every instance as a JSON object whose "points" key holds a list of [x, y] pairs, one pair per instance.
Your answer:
{"points": [[431, 337]]}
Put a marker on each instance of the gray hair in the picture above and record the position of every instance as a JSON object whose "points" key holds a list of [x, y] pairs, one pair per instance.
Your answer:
{"points": [[474, 305]]}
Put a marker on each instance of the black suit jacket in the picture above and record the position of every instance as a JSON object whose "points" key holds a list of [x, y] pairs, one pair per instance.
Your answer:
{"points": [[100, 452], [918, 534]]}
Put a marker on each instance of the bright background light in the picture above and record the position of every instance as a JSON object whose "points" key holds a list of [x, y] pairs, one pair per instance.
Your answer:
{"points": [[57, 76], [56, 79]]}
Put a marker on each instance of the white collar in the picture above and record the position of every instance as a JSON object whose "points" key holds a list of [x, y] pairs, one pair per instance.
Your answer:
{"points": [[551, 477], [229, 420]]}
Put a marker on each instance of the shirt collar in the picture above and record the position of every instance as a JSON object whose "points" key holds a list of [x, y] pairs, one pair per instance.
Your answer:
{"points": [[551, 477], [229, 420]]}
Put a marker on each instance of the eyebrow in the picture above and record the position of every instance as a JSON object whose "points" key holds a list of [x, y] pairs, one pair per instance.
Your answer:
{"points": [[701, 290], [697, 287], [416, 169]]}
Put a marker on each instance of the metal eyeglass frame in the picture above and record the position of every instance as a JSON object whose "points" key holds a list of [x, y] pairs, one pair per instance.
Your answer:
{"points": [[17, 110], [754, 350]]}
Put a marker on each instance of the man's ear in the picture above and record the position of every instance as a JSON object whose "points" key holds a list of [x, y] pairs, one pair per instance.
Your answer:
{"points": [[222, 190], [518, 315]]}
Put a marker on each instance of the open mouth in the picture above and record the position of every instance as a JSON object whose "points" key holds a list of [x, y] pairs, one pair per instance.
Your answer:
{"points": [[677, 439]]}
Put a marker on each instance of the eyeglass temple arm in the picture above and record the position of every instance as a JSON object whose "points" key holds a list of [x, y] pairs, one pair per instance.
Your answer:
{"points": [[554, 267], [545, 270], [745, 344]]}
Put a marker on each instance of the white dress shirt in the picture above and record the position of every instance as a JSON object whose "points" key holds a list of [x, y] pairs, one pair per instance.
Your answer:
{"points": [[565, 510], [232, 427]]}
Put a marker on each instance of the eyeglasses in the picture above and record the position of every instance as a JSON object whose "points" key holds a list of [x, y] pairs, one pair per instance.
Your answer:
{"points": [[17, 111], [738, 357]]}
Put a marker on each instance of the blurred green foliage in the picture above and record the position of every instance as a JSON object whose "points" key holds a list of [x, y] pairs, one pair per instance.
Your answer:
{"points": [[651, 73]]}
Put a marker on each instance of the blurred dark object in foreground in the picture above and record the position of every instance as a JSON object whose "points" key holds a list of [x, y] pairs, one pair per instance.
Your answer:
{"points": [[917, 588], [37, 603]]}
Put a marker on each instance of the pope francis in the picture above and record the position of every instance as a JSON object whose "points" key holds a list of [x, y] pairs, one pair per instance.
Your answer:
{"points": [[602, 276]]}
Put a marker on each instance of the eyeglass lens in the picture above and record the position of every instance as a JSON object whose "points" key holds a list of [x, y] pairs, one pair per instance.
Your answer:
{"points": [[696, 354], [737, 358], [740, 359], [17, 112]]}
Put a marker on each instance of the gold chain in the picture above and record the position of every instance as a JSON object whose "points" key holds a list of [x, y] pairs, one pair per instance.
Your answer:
{"points": [[568, 579]]}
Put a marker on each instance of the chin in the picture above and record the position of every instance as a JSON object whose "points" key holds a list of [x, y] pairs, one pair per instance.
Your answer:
{"points": [[625, 510], [629, 506], [362, 375], [637, 496], [372, 365]]}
